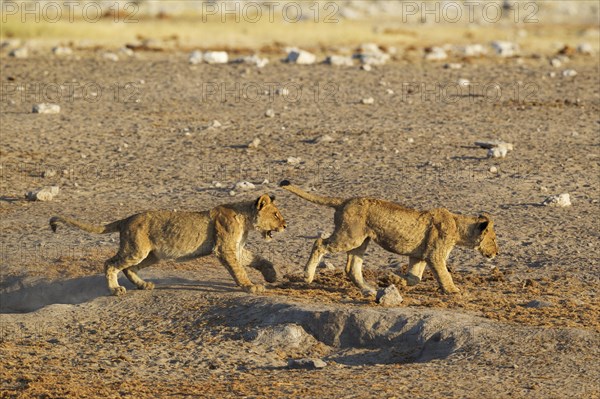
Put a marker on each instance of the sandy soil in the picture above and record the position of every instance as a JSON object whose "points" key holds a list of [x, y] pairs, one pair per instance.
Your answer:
{"points": [[146, 140]]}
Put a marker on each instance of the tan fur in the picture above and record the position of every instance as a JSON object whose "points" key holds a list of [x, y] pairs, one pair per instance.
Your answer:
{"points": [[426, 237], [148, 237]]}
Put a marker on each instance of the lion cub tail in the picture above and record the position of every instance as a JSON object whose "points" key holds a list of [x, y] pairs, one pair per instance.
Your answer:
{"points": [[90, 228], [317, 199]]}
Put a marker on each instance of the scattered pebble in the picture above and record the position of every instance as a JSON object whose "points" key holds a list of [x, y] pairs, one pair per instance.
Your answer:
{"points": [[497, 152], [471, 50], [556, 63], [232, 193], [255, 143], [308, 364], [244, 186], [389, 296], [43, 194], [435, 54], [48, 173], [453, 65], [301, 57], [215, 57], [127, 51], [369, 100], [215, 124], [569, 73], [585, 48], [20, 52], [410, 140], [60, 51], [270, 113], [505, 49], [538, 304], [493, 169], [464, 82], [294, 160], [496, 148], [46, 108], [195, 57], [366, 67], [218, 184], [339, 60], [252, 60], [560, 200], [110, 57], [323, 139]]}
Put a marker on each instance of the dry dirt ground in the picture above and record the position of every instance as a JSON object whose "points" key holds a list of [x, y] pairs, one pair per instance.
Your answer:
{"points": [[147, 140]]}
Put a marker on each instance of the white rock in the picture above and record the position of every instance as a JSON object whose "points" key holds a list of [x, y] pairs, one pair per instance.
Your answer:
{"points": [[389, 296], [43, 194], [435, 54], [370, 48], [471, 50], [556, 63], [110, 57], [270, 113], [60, 51], [464, 82], [497, 152], [367, 101], [494, 143], [505, 49], [127, 51], [195, 57], [561, 200], [585, 48], [20, 52], [232, 193], [294, 160], [324, 139], [252, 60], [215, 124], [569, 73], [216, 57], [217, 184], [373, 58], [410, 140], [339, 60], [366, 67], [244, 186], [493, 169], [301, 57], [255, 143], [453, 65], [46, 108]]}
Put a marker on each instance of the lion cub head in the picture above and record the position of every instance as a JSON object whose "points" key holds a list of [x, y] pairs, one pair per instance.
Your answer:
{"points": [[268, 218], [486, 237]]}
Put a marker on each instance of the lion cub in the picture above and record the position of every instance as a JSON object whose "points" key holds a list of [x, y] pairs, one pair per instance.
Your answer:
{"points": [[148, 237], [426, 237]]}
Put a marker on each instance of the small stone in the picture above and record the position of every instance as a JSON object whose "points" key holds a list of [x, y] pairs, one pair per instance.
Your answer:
{"points": [[569, 73], [300, 57], [368, 101], [410, 140], [585, 48], [252, 60], [493, 169], [537, 304], [327, 265], [43, 194], [110, 57], [556, 63], [464, 82], [497, 152], [308, 364], [389, 296], [127, 51], [20, 52], [216, 57], [217, 184], [561, 200], [323, 139], [48, 173], [195, 57], [471, 50], [244, 186], [505, 49], [270, 113], [293, 160], [61, 51], [46, 108], [255, 143], [232, 193], [389, 91], [339, 60], [366, 67], [215, 124], [452, 65], [435, 54]]}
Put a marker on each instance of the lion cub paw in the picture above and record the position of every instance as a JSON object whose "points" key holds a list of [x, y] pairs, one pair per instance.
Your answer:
{"points": [[118, 291], [147, 285], [254, 289], [451, 290]]}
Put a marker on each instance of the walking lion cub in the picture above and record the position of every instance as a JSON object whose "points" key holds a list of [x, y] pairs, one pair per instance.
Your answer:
{"points": [[426, 237], [148, 237]]}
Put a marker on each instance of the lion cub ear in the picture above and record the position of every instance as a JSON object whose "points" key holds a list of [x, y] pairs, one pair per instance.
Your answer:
{"points": [[263, 201], [483, 225]]}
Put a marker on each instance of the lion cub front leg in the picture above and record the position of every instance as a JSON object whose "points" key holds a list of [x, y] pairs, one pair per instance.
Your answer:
{"points": [[442, 275], [228, 255]]}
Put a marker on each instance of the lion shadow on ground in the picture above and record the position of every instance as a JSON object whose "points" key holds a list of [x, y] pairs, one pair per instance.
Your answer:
{"points": [[25, 298]]}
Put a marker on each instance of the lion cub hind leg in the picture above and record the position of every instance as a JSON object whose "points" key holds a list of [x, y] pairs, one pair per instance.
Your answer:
{"points": [[116, 264], [131, 272], [442, 275], [416, 267]]}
